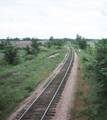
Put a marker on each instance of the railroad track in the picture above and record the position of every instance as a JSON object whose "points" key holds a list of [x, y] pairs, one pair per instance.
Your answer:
{"points": [[43, 107]]}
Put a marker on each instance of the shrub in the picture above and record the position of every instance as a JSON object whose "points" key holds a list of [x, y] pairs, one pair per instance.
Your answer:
{"points": [[88, 66], [48, 44], [42, 48], [3, 62], [79, 113], [11, 55], [85, 59], [82, 42], [80, 91], [34, 43], [85, 99], [34, 51], [72, 109], [28, 51], [58, 47], [19, 48], [29, 57], [79, 68]]}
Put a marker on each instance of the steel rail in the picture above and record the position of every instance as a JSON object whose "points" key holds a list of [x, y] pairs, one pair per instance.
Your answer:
{"points": [[59, 85], [44, 89]]}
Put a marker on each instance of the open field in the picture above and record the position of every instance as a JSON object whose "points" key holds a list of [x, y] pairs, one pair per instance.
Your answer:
{"points": [[23, 43], [91, 43]]}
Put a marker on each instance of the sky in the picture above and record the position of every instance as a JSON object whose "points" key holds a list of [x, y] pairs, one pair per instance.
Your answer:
{"points": [[57, 18]]}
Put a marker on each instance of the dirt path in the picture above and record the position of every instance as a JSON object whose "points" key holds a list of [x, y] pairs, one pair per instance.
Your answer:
{"points": [[67, 98]]}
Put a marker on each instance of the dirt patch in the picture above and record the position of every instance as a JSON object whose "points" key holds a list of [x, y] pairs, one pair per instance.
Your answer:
{"points": [[67, 98], [27, 102], [23, 43], [53, 55]]}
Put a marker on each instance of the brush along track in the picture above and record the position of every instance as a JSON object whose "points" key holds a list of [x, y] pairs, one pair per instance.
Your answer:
{"points": [[44, 105]]}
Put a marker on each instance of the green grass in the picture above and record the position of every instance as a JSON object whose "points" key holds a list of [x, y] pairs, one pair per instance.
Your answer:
{"points": [[96, 110], [84, 98], [1, 55], [80, 91], [78, 67], [91, 43], [21, 52], [79, 113], [17, 82]]}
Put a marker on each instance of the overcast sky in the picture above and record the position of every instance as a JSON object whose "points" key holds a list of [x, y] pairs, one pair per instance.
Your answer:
{"points": [[57, 18]]}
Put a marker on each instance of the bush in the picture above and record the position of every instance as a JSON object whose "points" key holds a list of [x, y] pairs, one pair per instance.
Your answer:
{"points": [[48, 44], [80, 91], [29, 57], [3, 62], [58, 47], [88, 66], [85, 99], [42, 48], [34, 51], [19, 48], [78, 67], [11, 55], [82, 42], [84, 59], [28, 51]]}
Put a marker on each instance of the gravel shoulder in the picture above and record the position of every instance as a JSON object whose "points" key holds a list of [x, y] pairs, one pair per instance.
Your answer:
{"points": [[68, 95]]}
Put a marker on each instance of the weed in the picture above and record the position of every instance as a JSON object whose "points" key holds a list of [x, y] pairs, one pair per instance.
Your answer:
{"points": [[79, 113], [79, 68], [80, 91], [83, 82], [29, 57], [83, 77], [3, 62], [85, 59], [72, 109], [84, 98]]}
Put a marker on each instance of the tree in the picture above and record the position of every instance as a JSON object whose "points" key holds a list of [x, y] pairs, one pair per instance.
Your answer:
{"points": [[5, 43], [28, 51], [82, 42], [34, 43], [51, 38], [11, 55], [48, 44], [100, 67]]}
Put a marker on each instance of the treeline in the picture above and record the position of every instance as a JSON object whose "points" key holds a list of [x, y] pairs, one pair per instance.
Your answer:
{"points": [[18, 39], [94, 62]]}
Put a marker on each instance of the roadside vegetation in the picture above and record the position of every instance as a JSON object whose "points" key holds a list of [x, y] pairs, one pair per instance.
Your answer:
{"points": [[91, 100], [23, 69]]}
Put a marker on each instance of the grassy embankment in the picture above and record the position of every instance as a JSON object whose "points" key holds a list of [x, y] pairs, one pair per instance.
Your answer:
{"points": [[18, 82], [90, 98], [84, 91]]}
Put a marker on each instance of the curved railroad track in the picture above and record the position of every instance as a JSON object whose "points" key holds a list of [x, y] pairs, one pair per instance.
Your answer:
{"points": [[43, 107]]}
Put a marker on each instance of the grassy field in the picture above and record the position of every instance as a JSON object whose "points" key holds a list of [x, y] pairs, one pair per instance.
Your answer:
{"points": [[18, 82], [91, 43]]}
